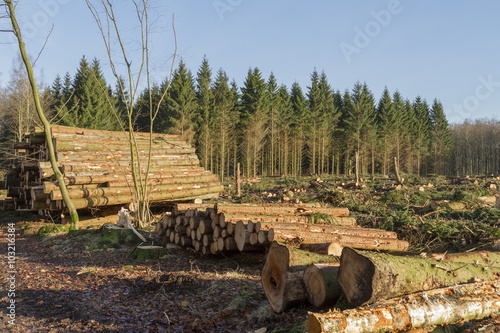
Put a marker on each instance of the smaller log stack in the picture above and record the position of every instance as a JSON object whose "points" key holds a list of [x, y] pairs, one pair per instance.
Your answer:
{"points": [[246, 227], [97, 169]]}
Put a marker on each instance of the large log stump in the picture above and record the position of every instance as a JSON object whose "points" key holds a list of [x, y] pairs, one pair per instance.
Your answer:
{"points": [[366, 277]]}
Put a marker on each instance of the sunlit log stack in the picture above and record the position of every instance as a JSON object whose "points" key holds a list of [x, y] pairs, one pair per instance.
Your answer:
{"points": [[246, 227], [97, 169]]}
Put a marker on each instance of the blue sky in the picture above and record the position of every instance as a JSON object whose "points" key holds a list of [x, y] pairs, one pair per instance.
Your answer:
{"points": [[449, 50]]}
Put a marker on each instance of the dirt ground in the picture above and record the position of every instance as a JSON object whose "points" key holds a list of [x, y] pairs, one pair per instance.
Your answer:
{"points": [[63, 284]]}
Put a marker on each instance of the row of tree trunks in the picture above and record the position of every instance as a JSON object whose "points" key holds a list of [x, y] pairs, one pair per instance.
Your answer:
{"points": [[437, 307], [96, 167]]}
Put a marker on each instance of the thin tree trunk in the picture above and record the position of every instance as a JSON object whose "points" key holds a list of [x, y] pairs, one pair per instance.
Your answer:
{"points": [[69, 204]]}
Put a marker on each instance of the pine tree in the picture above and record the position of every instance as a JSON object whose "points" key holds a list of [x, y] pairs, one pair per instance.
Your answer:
{"points": [[181, 110], [284, 123], [300, 117], [400, 126], [386, 128], [90, 103], [224, 123], [204, 100], [421, 131], [328, 120], [314, 108], [441, 138], [253, 104], [272, 107], [360, 123]]}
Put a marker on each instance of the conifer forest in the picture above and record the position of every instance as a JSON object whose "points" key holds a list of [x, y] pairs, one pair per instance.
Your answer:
{"points": [[269, 128]]}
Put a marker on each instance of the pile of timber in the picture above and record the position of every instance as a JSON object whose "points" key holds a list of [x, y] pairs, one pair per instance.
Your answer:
{"points": [[97, 169], [248, 227], [395, 291]]}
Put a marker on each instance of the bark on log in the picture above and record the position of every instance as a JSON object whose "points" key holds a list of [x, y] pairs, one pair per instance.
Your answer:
{"points": [[278, 218], [366, 277], [367, 243], [437, 307], [283, 274], [278, 209], [321, 283], [327, 228]]}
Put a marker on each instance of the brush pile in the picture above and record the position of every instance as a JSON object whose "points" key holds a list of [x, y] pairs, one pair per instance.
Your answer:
{"points": [[97, 168]]}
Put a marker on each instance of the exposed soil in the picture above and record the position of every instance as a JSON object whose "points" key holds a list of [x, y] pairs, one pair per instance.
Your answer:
{"points": [[63, 286]]}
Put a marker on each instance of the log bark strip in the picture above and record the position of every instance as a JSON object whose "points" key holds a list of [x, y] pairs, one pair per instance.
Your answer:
{"points": [[437, 307]]}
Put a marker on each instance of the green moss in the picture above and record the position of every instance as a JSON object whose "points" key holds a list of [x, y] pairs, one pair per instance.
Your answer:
{"points": [[53, 229]]}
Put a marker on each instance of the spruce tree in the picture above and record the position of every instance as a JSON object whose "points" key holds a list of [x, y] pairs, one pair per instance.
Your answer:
{"points": [[204, 101], [272, 107], [300, 117], [90, 103], [441, 138], [386, 129], [313, 132], [181, 110], [253, 103], [284, 122], [224, 123], [421, 132]]}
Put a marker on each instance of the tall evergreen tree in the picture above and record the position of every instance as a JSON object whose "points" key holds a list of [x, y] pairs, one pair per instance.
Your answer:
{"points": [[300, 117], [253, 104], [284, 123], [204, 100], [224, 123], [441, 138], [421, 132], [181, 109], [272, 107], [386, 129], [360, 123], [90, 104], [313, 126]]}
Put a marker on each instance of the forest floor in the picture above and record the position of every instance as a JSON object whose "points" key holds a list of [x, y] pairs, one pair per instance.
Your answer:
{"points": [[66, 283]]}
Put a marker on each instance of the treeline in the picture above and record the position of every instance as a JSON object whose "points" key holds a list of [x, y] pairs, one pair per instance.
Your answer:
{"points": [[477, 147], [271, 129]]}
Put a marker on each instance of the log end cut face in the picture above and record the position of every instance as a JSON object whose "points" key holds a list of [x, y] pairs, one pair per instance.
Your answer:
{"points": [[274, 276], [355, 276]]}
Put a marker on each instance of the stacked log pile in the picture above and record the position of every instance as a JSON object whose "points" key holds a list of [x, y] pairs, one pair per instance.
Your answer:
{"points": [[246, 227], [97, 169]]}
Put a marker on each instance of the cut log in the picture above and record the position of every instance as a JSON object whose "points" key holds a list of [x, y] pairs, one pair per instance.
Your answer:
{"points": [[330, 249], [321, 283], [283, 275], [279, 209], [366, 277], [437, 307], [242, 238], [326, 228], [278, 218], [368, 243]]}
